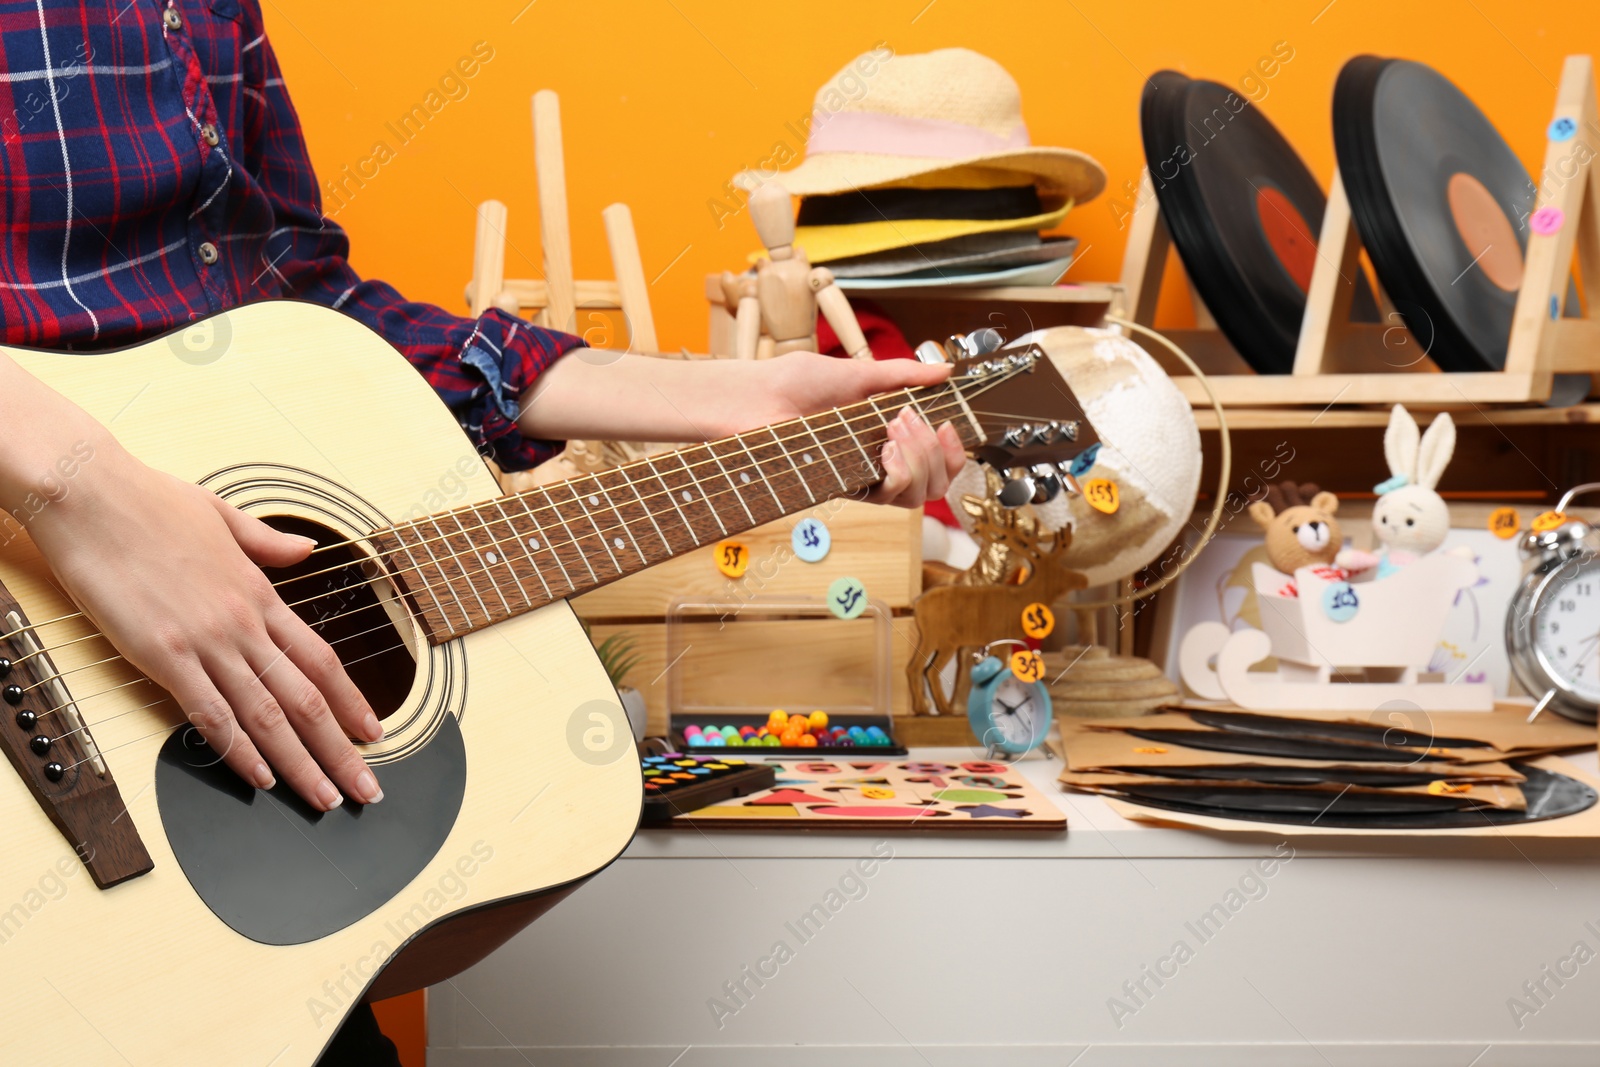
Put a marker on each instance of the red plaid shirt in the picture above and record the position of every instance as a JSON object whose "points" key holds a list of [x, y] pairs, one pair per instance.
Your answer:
{"points": [[153, 171]]}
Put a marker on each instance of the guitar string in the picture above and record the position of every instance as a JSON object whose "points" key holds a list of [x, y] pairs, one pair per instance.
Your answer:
{"points": [[850, 435], [625, 524], [946, 387]]}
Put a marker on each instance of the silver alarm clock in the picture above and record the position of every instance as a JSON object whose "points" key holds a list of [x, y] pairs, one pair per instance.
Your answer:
{"points": [[1553, 621]]}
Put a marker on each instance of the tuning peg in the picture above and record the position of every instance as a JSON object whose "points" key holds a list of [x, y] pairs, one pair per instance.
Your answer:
{"points": [[1046, 482], [982, 342], [1012, 438], [1018, 490], [1068, 482], [955, 346], [930, 352], [1069, 430], [1044, 432]]}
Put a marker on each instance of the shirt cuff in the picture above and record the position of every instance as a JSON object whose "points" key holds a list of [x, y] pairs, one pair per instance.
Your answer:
{"points": [[508, 354]]}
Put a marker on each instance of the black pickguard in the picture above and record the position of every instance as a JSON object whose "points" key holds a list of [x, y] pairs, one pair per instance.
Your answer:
{"points": [[278, 871]]}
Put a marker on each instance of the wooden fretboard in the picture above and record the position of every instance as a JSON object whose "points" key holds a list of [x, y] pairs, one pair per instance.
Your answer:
{"points": [[472, 567]]}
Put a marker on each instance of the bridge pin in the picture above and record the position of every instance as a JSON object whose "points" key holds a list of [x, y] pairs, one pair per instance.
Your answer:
{"points": [[54, 771], [12, 693], [26, 719], [40, 745]]}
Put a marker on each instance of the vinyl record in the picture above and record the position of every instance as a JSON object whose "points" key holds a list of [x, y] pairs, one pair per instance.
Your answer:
{"points": [[1440, 202], [1548, 795], [1243, 210]]}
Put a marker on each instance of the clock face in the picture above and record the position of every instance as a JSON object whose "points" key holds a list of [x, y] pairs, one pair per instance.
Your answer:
{"points": [[1566, 631], [1017, 713]]}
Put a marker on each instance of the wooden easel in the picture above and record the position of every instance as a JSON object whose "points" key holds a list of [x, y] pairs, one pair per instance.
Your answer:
{"points": [[1339, 361], [556, 299]]}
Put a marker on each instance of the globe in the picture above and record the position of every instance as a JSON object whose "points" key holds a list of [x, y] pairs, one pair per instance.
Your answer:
{"points": [[1150, 447]]}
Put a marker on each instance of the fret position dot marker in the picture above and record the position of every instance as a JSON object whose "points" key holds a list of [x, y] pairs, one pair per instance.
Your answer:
{"points": [[687, 496], [806, 458], [594, 501], [744, 477], [617, 541], [490, 557], [533, 544]]}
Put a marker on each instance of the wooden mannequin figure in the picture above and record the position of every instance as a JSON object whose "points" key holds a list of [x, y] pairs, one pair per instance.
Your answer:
{"points": [[782, 300]]}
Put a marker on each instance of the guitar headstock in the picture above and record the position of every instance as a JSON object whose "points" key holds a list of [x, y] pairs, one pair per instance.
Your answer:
{"points": [[1036, 433]]}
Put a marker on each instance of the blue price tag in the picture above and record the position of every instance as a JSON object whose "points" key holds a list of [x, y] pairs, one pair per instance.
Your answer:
{"points": [[847, 598], [1562, 129], [811, 540], [1339, 602], [1083, 461]]}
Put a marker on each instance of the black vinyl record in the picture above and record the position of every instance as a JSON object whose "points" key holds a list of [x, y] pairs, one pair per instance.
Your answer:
{"points": [[1548, 796], [1441, 204], [1243, 210]]}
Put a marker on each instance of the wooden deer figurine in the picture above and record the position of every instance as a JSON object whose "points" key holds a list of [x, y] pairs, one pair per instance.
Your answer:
{"points": [[953, 619]]}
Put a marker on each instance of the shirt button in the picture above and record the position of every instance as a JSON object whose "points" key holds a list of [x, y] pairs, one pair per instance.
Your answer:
{"points": [[209, 132], [173, 20], [208, 253]]}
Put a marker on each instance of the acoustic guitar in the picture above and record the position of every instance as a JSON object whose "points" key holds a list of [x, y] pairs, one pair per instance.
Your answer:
{"points": [[156, 910]]}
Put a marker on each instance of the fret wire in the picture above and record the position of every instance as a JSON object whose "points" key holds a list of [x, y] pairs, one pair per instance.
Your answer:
{"points": [[546, 546], [572, 488], [517, 540], [438, 567], [871, 467], [488, 565], [787, 455], [696, 483], [843, 485], [645, 508], [417, 568], [711, 447], [456, 558], [755, 465], [672, 505], [626, 523], [572, 539]]}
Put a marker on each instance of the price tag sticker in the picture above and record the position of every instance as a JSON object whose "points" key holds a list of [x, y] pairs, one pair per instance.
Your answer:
{"points": [[1038, 620], [1150, 750], [1443, 788], [1339, 602], [1027, 665], [847, 598], [1102, 495], [1504, 523], [1546, 221], [733, 558], [1562, 129], [1547, 520], [811, 540], [877, 792]]}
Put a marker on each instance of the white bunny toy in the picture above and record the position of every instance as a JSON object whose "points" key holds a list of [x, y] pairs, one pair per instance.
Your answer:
{"points": [[1410, 518]]}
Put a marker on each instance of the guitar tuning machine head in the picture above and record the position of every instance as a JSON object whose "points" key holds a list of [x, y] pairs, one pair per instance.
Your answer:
{"points": [[972, 345], [1046, 482], [931, 352], [1014, 435], [1018, 489]]}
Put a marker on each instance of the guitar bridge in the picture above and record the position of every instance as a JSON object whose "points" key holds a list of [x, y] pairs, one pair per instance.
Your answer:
{"points": [[49, 745]]}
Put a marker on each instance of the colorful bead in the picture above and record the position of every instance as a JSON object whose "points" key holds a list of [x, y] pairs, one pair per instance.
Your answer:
{"points": [[818, 720], [808, 741]]}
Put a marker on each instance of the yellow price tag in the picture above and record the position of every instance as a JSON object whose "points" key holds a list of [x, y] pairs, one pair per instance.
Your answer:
{"points": [[1504, 523], [1102, 495], [733, 558], [1548, 520], [1441, 788], [1038, 620], [877, 792], [1027, 665], [1150, 750]]}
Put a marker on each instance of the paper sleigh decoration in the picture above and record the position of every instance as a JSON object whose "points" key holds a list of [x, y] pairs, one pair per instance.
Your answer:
{"points": [[1340, 648]]}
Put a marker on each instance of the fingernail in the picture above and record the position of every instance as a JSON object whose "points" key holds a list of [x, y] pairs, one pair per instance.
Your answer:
{"points": [[367, 786], [263, 777], [372, 727], [312, 541], [328, 796], [891, 451]]}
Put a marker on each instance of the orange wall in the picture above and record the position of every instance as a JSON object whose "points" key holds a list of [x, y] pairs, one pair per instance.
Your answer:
{"points": [[663, 102]]}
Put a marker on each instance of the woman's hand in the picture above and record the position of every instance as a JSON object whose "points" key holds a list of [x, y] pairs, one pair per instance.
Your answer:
{"points": [[169, 573]]}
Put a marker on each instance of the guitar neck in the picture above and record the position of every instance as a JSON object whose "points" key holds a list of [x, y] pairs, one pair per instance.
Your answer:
{"points": [[472, 567]]}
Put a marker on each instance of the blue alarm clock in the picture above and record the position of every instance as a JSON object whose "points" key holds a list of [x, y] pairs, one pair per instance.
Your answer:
{"points": [[1009, 716]]}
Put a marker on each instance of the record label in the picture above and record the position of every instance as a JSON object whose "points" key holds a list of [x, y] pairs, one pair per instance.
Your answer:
{"points": [[1287, 235], [1485, 230]]}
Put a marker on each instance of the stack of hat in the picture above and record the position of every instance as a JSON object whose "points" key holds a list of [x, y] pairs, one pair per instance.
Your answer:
{"points": [[927, 177]]}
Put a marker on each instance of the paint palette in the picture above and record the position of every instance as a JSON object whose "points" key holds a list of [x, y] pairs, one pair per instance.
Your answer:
{"points": [[880, 794]]}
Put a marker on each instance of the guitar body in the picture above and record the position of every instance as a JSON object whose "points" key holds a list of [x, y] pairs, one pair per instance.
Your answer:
{"points": [[261, 923]]}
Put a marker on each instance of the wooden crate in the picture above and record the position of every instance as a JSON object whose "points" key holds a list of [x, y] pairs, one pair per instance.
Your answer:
{"points": [[880, 546]]}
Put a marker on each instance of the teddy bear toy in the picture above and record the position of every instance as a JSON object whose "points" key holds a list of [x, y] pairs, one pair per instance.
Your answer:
{"points": [[1300, 527]]}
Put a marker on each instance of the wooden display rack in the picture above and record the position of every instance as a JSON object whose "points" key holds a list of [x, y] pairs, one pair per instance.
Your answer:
{"points": [[1344, 362]]}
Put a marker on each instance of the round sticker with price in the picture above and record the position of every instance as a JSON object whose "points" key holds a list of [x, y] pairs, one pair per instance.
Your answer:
{"points": [[847, 598], [1038, 620], [1027, 665], [733, 558], [1504, 523], [1339, 602], [811, 540], [1102, 495], [1547, 520]]}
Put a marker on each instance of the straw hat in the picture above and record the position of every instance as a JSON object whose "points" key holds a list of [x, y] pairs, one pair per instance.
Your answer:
{"points": [[909, 119]]}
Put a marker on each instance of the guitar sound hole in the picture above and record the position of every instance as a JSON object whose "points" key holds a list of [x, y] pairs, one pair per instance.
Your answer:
{"points": [[333, 592]]}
